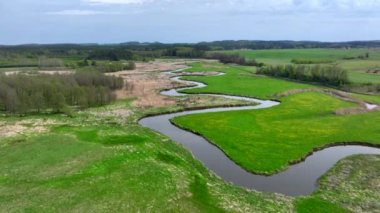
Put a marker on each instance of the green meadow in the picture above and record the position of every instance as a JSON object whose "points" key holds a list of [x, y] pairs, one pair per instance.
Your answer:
{"points": [[97, 163], [356, 67], [240, 81], [267, 141]]}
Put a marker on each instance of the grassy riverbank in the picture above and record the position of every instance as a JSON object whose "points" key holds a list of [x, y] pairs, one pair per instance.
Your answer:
{"points": [[280, 135], [352, 183], [266, 141], [240, 81]]}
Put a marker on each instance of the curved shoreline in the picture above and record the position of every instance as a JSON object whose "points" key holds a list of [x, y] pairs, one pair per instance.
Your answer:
{"points": [[291, 163], [289, 182]]}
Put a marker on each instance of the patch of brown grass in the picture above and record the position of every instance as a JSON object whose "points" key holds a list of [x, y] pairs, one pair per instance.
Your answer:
{"points": [[31, 126], [145, 82]]}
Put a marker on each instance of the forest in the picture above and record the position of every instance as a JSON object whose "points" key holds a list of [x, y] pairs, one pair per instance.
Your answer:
{"points": [[22, 94]]}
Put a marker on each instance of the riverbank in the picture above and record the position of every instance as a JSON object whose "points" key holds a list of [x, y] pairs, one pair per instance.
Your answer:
{"points": [[298, 180]]}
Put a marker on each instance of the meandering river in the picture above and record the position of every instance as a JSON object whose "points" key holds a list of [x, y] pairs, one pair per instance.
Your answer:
{"points": [[299, 179]]}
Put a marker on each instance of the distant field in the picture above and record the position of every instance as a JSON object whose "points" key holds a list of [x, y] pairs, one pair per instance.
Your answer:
{"points": [[357, 67], [288, 54]]}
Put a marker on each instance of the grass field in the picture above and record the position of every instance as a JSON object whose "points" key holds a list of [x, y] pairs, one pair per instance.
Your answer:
{"points": [[102, 162], [95, 163], [240, 81], [357, 68]]}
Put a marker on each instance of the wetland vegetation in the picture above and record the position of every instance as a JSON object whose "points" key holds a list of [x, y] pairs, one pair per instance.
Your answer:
{"points": [[98, 158]]}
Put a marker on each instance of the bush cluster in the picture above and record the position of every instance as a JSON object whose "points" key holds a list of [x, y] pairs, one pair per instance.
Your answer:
{"points": [[329, 75], [367, 88], [311, 61], [234, 59], [104, 66], [362, 57]]}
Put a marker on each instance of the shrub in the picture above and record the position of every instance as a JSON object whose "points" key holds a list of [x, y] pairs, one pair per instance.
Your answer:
{"points": [[329, 75], [234, 59], [311, 61]]}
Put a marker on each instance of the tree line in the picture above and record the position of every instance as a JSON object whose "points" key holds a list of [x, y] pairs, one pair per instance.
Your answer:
{"points": [[137, 50], [328, 75], [110, 54], [22, 93], [234, 59], [132, 51], [362, 57]]}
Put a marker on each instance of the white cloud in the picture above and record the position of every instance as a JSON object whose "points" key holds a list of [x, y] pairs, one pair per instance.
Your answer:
{"points": [[117, 1], [78, 12], [256, 5]]}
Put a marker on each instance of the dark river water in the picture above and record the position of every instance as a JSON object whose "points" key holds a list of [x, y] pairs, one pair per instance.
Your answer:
{"points": [[299, 179]]}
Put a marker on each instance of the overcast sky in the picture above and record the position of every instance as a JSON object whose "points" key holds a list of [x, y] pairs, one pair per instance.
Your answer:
{"points": [[114, 21]]}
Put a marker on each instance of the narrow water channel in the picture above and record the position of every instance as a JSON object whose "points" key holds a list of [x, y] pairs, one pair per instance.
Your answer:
{"points": [[299, 179]]}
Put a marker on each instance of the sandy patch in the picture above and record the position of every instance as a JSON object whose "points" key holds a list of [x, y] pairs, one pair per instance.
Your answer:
{"points": [[25, 127]]}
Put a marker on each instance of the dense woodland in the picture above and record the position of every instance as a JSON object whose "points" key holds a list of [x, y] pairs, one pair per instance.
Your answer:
{"points": [[40, 93], [328, 75]]}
